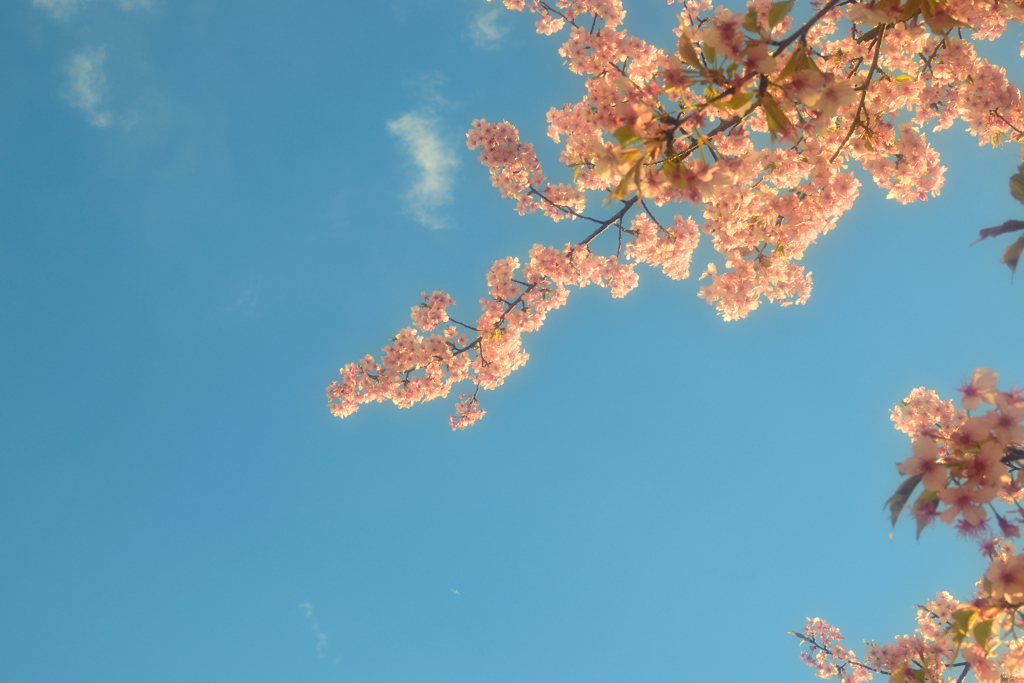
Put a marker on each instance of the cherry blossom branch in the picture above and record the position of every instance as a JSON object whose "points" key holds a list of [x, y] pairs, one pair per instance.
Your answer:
{"points": [[762, 205], [999, 116], [723, 125], [468, 327], [863, 93], [802, 31], [565, 209], [627, 205], [648, 211]]}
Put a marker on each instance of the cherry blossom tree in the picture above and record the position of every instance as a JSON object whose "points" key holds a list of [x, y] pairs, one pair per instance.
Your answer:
{"points": [[751, 119], [966, 465], [755, 121]]}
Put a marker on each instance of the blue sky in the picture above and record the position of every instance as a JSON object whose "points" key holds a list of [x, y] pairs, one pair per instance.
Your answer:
{"points": [[207, 208]]}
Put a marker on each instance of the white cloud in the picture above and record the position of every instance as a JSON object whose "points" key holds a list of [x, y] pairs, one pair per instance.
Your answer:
{"points": [[485, 31], [434, 161], [321, 638], [88, 82], [59, 9], [62, 9]]}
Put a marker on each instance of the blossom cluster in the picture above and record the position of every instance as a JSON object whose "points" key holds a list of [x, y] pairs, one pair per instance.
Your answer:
{"points": [[952, 639], [678, 125], [966, 460], [928, 655], [750, 119], [415, 368]]}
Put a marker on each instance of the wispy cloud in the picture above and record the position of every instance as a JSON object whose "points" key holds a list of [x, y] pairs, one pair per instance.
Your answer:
{"points": [[434, 162], [249, 298], [87, 85], [59, 9], [485, 31], [62, 9], [321, 638]]}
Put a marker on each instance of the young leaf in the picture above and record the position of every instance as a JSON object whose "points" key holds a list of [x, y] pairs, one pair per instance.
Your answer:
{"points": [[625, 135], [961, 623], [687, 52], [799, 60], [792, 63], [1012, 255], [898, 500], [622, 189], [778, 12], [911, 9], [924, 499], [739, 101], [983, 633], [1017, 184], [750, 20], [1008, 226], [671, 170], [778, 123]]}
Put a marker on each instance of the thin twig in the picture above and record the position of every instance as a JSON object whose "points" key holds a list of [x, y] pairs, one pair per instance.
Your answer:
{"points": [[863, 95], [802, 31]]}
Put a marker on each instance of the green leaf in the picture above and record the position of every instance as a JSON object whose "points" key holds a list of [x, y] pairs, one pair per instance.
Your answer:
{"points": [[622, 189], [961, 623], [911, 9], [739, 101], [750, 21], [799, 60], [778, 12], [939, 20], [671, 169], [625, 135], [1008, 226], [778, 123], [1017, 184], [1012, 255], [898, 500], [687, 52], [983, 633], [791, 63], [925, 498], [919, 675]]}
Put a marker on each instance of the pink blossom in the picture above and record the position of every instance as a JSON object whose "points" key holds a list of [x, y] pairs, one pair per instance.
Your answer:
{"points": [[966, 502]]}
